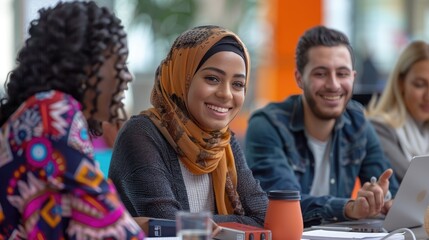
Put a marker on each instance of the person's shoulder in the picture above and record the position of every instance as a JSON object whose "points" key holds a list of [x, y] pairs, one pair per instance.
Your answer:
{"points": [[51, 106], [141, 124], [355, 106], [139, 119], [355, 111], [381, 126], [354, 116], [57, 116], [51, 100], [59, 104]]}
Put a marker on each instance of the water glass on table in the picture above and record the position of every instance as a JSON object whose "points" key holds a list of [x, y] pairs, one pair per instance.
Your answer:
{"points": [[193, 226]]}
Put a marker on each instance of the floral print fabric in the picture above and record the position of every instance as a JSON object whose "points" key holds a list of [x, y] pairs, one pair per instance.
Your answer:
{"points": [[51, 187]]}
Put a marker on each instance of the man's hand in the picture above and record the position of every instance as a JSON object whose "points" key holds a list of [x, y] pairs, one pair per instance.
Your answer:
{"points": [[387, 206], [370, 199]]}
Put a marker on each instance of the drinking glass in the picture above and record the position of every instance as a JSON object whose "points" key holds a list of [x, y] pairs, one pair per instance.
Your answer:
{"points": [[193, 226]]}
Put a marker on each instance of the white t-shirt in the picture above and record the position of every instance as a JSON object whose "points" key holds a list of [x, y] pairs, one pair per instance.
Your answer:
{"points": [[320, 149]]}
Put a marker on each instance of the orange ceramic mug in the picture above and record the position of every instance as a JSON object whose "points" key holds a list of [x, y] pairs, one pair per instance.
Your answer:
{"points": [[284, 217]]}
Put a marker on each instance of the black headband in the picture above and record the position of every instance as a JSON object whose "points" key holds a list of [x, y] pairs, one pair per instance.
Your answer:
{"points": [[228, 44]]}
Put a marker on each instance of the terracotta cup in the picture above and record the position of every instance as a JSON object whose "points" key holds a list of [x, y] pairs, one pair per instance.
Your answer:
{"points": [[284, 217]]}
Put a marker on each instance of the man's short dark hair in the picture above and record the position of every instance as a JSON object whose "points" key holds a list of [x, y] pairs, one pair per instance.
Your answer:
{"points": [[319, 36]]}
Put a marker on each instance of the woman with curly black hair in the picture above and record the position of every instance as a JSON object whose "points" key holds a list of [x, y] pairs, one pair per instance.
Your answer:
{"points": [[70, 76]]}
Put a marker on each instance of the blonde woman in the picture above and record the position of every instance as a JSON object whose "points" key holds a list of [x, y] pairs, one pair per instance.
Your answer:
{"points": [[401, 114]]}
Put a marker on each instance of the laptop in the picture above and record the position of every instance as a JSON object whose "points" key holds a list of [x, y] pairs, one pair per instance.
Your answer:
{"points": [[409, 205]]}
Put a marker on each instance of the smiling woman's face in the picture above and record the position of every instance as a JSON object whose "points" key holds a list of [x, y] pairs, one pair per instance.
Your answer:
{"points": [[415, 90], [217, 90]]}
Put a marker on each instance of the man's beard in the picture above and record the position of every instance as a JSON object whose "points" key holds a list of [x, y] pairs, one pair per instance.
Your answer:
{"points": [[314, 108]]}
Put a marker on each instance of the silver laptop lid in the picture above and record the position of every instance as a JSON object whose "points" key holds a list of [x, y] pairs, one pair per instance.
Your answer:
{"points": [[412, 198]]}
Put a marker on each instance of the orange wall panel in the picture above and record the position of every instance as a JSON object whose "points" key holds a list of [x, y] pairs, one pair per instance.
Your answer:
{"points": [[275, 77], [289, 19]]}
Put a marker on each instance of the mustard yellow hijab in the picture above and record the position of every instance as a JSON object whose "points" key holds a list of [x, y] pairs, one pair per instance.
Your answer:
{"points": [[200, 151]]}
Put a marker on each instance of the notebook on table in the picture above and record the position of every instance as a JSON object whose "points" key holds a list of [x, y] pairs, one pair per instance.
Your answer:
{"points": [[409, 205], [337, 235]]}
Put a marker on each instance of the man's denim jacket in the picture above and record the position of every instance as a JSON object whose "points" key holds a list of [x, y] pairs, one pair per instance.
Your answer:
{"points": [[279, 156]]}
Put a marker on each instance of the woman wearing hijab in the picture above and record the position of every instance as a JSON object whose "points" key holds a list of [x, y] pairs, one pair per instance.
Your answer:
{"points": [[181, 154], [401, 115]]}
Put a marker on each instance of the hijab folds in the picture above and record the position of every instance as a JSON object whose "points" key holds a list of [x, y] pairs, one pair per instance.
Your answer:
{"points": [[201, 151]]}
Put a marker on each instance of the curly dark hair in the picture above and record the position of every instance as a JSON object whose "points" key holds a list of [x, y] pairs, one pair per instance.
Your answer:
{"points": [[66, 47]]}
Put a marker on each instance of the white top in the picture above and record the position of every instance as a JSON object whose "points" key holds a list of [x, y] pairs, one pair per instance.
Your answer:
{"points": [[199, 189], [320, 149]]}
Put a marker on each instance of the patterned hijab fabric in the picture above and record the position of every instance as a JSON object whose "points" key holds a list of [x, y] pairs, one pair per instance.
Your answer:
{"points": [[200, 151]]}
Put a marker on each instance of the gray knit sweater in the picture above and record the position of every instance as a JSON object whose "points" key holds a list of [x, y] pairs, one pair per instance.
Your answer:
{"points": [[392, 148], [146, 172]]}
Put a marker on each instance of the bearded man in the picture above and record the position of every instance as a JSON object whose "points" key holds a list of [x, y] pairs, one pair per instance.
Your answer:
{"points": [[320, 142]]}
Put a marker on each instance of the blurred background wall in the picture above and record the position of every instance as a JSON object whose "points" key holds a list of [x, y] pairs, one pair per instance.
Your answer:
{"points": [[378, 30]]}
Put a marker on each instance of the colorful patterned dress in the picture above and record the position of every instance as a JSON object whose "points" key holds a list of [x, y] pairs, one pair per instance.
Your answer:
{"points": [[50, 186]]}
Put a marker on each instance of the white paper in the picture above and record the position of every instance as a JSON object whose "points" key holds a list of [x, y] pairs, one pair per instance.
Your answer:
{"points": [[161, 238], [338, 235]]}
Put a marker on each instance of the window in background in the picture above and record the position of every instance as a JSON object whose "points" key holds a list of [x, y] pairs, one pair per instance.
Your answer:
{"points": [[381, 29], [6, 41], [152, 27]]}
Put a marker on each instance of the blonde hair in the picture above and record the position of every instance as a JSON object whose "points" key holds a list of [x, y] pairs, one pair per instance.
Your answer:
{"points": [[390, 107]]}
